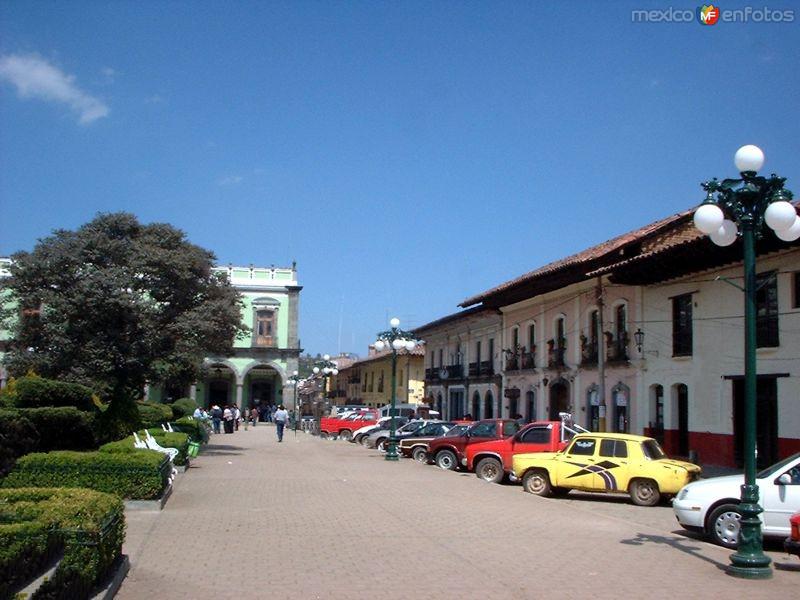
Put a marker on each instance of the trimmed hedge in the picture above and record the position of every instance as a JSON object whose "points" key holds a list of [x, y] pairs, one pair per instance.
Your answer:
{"points": [[35, 392], [152, 414], [196, 429], [18, 436], [35, 523], [165, 439], [63, 428], [140, 475], [183, 407]]}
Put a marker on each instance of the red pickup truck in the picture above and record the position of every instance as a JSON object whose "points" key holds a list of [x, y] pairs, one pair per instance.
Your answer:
{"points": [[491, 460], [448, 452], [344, 427]]}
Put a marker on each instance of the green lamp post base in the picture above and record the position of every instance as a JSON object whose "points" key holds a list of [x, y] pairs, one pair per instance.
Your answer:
{"points": [[391, 451]]}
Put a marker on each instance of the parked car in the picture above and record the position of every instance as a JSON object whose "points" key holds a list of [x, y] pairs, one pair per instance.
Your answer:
{"points": [[447, 452], [380, 437], [792, 543], [344, 427], [416, 446], [606, 462], [361, 432], [711, 506], [492, 460]]}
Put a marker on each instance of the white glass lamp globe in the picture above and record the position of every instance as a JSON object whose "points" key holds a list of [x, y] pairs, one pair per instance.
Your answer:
{"points": [[780, 215], [395, 322], [316, 370], [326, 356], [410, 345], [335, 371], [398, 344], [380, 345], [295, 373], [708, 218], [748, 158], [790, 234], [726, 234]]}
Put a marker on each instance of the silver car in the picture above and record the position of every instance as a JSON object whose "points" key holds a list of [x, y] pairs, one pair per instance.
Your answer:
{"points": [[380, 437]]}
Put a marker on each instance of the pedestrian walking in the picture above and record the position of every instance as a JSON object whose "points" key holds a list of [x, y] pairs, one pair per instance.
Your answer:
{"points": [[227, 416], [237, 416], [281, 418], [254, 415], [216, 417]]}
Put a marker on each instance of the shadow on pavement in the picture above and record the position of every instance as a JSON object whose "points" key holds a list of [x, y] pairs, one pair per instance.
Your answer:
{"points": [[674, 542], [222, 450]]}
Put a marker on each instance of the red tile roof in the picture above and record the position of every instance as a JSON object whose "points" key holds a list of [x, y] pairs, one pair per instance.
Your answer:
{"points": [[588, 260]]}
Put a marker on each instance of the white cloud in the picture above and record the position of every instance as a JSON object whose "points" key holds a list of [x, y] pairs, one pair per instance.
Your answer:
{"points": [[34, 77], [230, 180]]}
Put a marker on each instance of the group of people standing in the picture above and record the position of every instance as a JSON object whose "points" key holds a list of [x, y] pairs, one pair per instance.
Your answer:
{"points": [[230, 417]]}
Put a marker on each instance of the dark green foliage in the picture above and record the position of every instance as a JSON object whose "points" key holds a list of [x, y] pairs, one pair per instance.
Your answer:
{"points": [[89, 527], [197, 430], [183, 407], [63, 428], [152, 414], [18, 436], [179, 441], [34, 392], [117, 420], [140, 475], [117, 303]]}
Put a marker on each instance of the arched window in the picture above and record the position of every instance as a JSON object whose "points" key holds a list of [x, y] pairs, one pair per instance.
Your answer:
{"points": [[488, 406], [620, 348]]}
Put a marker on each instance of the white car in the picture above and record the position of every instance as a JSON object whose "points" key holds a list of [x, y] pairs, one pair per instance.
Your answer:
{"points": [[711, 505]]}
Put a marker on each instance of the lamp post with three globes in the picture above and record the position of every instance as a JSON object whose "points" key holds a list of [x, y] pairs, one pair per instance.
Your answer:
{"points": [[733, 208]]}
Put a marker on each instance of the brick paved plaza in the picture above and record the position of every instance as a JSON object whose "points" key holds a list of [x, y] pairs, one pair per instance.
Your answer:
{"points": [[322, 519]]}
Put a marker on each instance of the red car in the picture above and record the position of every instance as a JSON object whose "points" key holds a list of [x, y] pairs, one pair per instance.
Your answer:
{"points": [[344, 428], [792, 543], [491, 460], [448, 452]]}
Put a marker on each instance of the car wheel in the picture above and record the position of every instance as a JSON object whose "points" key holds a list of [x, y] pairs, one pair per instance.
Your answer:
{"points": [[644, 492], [446, 460], [323, 435], [723, 525], [345, 434], [357, 439], [537, 482], [364, 439], [420, 454], [490, 469]]}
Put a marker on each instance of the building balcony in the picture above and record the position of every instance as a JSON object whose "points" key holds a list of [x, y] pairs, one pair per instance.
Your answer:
{"points": [[556, 352]]}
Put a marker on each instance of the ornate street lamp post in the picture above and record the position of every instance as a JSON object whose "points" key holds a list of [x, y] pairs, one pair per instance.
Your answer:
{"points": [[327, 367], [294, 381], [395, 339], [736, 207]]}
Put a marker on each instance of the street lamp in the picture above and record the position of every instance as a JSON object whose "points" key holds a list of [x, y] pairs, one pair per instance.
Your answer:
{"points": [[394, 339], [294, 381], [736, 207], [327, 368]]}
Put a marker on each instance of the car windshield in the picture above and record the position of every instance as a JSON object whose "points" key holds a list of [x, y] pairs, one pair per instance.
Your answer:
{"points": [[457, 431], [777, 466], [652, 450]]}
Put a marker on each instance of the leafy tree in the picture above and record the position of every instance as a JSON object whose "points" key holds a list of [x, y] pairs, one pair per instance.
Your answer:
{"points": [[117, 303]]}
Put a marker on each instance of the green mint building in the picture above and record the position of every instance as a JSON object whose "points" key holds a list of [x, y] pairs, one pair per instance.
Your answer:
{"points": [[258, 369]]}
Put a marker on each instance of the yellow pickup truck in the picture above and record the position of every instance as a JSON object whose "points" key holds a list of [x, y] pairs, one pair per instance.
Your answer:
{"points": [[606, 462]]}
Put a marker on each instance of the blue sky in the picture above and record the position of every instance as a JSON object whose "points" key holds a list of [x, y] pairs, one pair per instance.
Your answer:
{"points": [[406, 154]]}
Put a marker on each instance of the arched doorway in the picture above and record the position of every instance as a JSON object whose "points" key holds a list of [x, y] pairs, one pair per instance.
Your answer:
{"points": [[220, 386], [488, 406], [681, 404], [559, 399], [530, 401], [476, 405], [621, 395]]}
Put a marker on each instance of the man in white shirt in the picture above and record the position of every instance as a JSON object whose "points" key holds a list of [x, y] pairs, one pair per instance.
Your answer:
{"points": [[281, 418]]}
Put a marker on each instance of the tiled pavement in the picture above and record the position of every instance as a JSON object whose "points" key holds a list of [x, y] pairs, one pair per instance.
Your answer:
{"points": [[310, 518]]}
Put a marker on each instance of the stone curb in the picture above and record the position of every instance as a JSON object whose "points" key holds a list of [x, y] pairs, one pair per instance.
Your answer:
{"points": [[153, 505]]}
